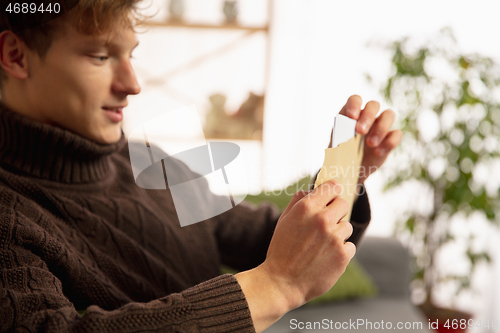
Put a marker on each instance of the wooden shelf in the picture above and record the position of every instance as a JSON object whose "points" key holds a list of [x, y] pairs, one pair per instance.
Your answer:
{"points": [[224, 26]]}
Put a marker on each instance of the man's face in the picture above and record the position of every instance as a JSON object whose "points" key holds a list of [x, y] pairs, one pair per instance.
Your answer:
{"points": [[83, 82]]}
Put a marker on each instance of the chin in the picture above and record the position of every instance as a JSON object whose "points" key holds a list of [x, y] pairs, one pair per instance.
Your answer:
{"points": [[109, 135]]}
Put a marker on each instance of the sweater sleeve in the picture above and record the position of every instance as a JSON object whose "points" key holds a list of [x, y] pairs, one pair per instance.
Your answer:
{"points": [[32, 298], [244, 234]]}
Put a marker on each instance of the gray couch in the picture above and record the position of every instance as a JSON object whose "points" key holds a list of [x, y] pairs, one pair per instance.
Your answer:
{"points": [[387, 262]]}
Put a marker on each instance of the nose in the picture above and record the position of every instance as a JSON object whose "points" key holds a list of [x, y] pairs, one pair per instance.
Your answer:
{"points": [[125, 81]]}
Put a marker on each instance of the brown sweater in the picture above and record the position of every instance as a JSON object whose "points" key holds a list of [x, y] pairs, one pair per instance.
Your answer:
{"points": [[76, 233]]}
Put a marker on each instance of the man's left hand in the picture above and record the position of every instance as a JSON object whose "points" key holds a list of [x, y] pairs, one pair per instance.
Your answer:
{"points": [[379, 139]]}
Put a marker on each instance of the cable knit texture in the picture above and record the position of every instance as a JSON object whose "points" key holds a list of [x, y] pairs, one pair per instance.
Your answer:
{"points": [[77, 234]]}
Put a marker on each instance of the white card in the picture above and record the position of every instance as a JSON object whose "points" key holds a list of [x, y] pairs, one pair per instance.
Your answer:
{"points": [[344, 129]]}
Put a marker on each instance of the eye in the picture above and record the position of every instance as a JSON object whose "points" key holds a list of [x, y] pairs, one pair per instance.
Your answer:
{"points": [[99, 58]]}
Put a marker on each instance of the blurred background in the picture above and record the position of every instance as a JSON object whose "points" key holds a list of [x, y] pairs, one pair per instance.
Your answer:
{"points": [[270, 75]]}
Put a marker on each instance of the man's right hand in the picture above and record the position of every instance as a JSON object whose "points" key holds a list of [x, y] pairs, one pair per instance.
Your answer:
{"points": [[307, 255]]}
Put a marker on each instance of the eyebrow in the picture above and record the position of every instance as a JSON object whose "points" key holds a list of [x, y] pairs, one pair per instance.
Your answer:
{"points": [[110, 43]]}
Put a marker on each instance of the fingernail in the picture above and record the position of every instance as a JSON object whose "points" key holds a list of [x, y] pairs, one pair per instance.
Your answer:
{"points": [[374, 140], [381, 152], [364, 127]]}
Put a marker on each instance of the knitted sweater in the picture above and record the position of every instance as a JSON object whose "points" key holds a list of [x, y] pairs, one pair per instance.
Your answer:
{"points": [[77, 233]]}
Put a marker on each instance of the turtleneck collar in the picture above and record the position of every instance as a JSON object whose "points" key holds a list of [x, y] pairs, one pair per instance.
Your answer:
{"points": [[51, 153]]}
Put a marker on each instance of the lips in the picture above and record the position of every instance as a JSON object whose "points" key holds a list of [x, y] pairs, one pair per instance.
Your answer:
{"points": [[113, 108], [114, 113]]}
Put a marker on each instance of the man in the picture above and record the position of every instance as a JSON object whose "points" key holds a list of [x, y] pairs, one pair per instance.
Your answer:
{"points": [[77, 234]]}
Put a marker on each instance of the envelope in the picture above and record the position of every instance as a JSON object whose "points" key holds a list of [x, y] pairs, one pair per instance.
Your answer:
{"points": [[343, 164]]}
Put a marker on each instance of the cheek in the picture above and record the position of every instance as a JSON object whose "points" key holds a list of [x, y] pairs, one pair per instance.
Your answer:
{"points": [[78, 81], [56, 84], [93, 86]]}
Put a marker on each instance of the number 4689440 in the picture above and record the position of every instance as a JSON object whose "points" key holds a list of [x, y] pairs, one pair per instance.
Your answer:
{"points": [[24, 8], [470, 324]]}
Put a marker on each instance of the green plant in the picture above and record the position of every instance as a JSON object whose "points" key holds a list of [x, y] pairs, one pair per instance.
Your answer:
{"points": [[448, 108]]}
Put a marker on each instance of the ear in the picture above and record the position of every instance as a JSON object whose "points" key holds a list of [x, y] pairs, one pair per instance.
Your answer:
{"points": [[13, 57]]}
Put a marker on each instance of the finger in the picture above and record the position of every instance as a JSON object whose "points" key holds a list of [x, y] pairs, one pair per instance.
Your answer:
{"points": [[380, 128], [351, 248], [335, 212], [352, 107], [295, 198], [390, 142], [367, 117], [345, 230], [325, 193]]}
